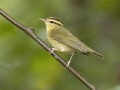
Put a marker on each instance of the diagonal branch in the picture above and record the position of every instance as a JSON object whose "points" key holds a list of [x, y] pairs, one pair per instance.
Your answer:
{"points": [[31, 33]]}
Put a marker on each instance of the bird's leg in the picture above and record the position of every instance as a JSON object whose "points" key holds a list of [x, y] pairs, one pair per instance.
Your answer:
{"points": [[53, 49], [68, 63]]}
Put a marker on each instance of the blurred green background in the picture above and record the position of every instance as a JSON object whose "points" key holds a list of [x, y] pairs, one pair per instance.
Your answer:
{"points": [[24, 65]]}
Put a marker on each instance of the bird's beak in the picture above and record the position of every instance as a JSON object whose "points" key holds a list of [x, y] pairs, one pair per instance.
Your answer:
{"points": [[44, 20]]}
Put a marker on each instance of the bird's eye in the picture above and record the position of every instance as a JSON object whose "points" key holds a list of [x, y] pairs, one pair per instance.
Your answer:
{"points": [[51, 22]]}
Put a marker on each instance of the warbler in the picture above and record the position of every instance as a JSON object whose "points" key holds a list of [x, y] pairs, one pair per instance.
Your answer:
{"points": [[62, 40]]}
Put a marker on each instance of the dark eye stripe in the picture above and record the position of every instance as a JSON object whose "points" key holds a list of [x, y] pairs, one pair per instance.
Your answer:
{"points": [[51, 22], [55, 19], [55, 23]]}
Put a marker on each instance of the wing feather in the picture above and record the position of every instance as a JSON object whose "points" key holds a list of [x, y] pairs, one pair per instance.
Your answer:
{"points": [[65, 37]]}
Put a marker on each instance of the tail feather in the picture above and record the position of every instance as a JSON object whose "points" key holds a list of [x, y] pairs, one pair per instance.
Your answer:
{"points": [[97, 54], [88, 50]]}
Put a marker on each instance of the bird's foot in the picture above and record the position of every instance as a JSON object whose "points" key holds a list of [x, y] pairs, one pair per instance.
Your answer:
{"points": [[68, 63], [52, 50]]}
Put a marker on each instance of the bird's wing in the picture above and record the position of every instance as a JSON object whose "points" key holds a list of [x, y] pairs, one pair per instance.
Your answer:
{"points": [[65, 37]]}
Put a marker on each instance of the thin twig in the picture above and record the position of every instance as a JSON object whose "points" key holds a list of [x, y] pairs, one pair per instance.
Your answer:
{"points": [[31, 33]]}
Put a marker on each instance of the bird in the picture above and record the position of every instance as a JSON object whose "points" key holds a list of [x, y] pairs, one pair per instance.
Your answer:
{"points": [[62, 40]]}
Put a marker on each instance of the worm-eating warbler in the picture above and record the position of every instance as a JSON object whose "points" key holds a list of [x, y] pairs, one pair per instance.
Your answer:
{"points": [[62, 40]]}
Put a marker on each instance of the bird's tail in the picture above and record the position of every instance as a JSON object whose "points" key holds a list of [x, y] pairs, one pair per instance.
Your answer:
{"points": [[97, 54], [89, 50]]}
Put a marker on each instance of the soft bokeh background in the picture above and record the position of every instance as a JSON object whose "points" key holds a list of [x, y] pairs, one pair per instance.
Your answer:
{"points": [[24, 65]]}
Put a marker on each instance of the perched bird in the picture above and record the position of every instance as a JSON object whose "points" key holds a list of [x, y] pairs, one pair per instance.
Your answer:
{"points": [[62, 40]]}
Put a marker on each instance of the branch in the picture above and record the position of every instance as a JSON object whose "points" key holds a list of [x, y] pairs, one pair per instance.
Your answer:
{"points": [[31, 33]]}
